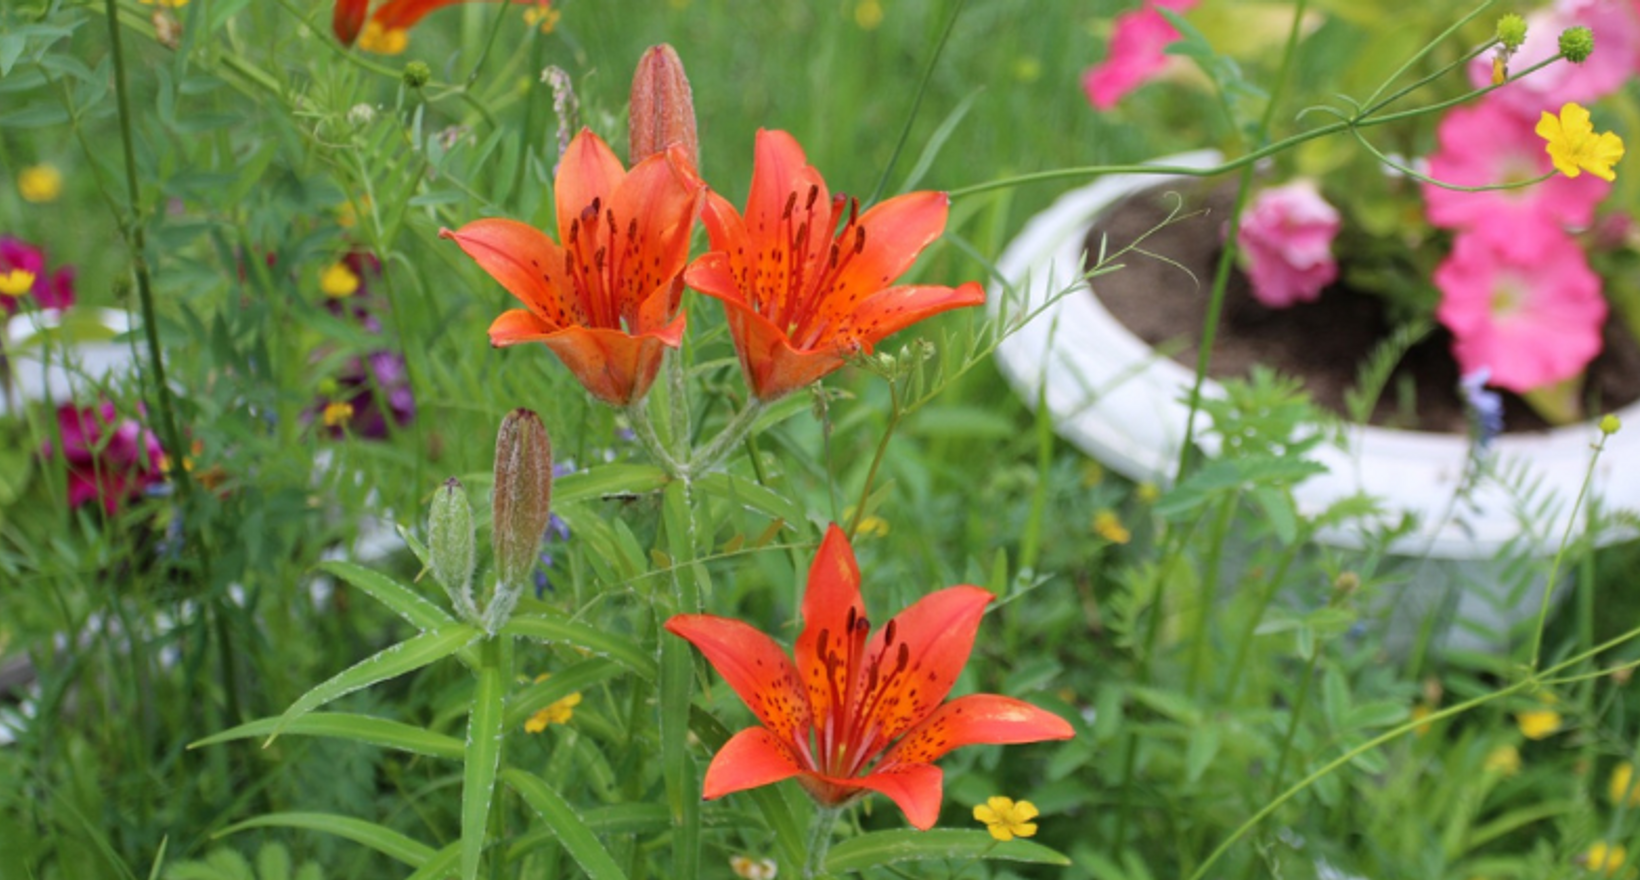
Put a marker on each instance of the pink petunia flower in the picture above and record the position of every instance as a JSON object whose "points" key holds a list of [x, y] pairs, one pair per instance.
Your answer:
{"points": [[1285, 244], [1136, 54], [1486, 143], [1616, 27], [1531, 315], [51, 290], [110, 458]]}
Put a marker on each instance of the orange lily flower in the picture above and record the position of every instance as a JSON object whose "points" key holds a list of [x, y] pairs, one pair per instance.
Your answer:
{"points": [[855, 713], [606, 302], [803, 294], [348, 19], [387, 32]]}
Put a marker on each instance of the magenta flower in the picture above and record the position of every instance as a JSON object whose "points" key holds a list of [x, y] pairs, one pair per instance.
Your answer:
{"points": [[1285, 243], [53, 290], [1530, 314], [110, 458], [1136, 54], [1486, 143], [1616, 26]]}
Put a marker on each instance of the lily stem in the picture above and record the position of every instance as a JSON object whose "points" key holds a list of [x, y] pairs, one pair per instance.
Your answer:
{"points": [[637, 412], [819, 841], [727, 439]]}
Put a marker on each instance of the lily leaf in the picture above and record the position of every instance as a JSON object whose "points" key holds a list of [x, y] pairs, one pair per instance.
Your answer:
{"points": [[888, 847]]}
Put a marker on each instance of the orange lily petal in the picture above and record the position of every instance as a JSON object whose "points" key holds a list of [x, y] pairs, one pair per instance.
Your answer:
{"points": [[402, 14], [589, 171], [936, 635], [526, 262], [897, 231], [616, 367], [974, 719], [915, 788], [750, 758], [348, 18], [890, 311], [833, 592], [518, 325], [754, 667], [658, 202]]}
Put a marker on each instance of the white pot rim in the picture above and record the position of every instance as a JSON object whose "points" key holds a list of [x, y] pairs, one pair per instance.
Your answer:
{"points": [[1115, 398]]}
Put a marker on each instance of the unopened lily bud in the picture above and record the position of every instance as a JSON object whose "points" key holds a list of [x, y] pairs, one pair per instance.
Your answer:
{"points": [[663, 108], [523, 495], [450, 545]]}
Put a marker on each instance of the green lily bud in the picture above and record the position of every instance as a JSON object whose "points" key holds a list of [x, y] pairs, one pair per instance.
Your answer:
{"points": [[523, 495], [450, 546]]}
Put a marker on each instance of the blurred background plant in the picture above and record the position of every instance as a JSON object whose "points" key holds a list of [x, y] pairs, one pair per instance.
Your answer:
{"points": [[267, 155]]}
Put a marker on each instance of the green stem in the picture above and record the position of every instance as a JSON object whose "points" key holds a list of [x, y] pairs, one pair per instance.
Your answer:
{"points": [[1263, 604], [916, 102], [1560, 554], [637, 412], [678, 398], [1209, 589], [728, 438], [819, 841], [894, 413]]}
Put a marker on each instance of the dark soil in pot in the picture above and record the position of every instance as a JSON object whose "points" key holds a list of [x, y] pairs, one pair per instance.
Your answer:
{"points": [[1161, 295]]}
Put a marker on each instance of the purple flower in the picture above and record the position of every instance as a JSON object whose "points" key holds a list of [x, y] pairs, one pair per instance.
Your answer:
{"points": [[1285, 242], [110, 458], [51, 291], [1485, 407]]}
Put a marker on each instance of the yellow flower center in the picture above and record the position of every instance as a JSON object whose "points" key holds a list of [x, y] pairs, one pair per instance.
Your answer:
{"points": [[338, 281], [16, 282], [382, 41], [1006, 819]]}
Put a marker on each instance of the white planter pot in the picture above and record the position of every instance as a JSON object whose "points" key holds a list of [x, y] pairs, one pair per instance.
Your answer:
{"points": [[1115, 398], [45, 361]]}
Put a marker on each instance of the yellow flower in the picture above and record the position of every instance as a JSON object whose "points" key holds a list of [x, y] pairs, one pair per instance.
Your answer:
{"points": [[1503, 760], [868, 14], [40, 183], [874, 526], [337, 414], [1148, 492], [558, 713], [16, 283], [1005, 819], [1093, 473], [168, 4], [374, 38], [1624, 791], [544, 16], [1604, 859], [748, 868], [338, 281], [1539, 723], [1107, 526], [1419, 712], [1574, 146]]}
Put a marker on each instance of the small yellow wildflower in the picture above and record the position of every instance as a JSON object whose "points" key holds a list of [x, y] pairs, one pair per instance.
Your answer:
{"points": [[337, 413], [1027, 69], [338, 281], [559, 712], [1419, 712], [375, 38], [873, 526], [1006, 819], [1573, 145], [347, 213], [1503, 760], [40, 183], [1106, 525], [1604, 859], [868, 14], [1539, 723], [1148, 492], [16, 282], [543, 16], [168, 4], [748, 868], [1624, 791]]}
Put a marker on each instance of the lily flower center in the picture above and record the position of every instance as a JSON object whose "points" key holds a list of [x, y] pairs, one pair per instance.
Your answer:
{"points": [[865, 706], [597, 257], [795, 307]]}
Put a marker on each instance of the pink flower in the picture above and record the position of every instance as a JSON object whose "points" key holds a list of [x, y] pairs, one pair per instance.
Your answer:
{"points": [[110, 458], [1616, 27], [1485, 143], [1135, 55], [1286, 244], [51, 291], [1531, 315]]}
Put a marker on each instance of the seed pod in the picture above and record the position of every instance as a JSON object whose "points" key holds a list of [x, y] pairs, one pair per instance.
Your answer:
{"points": [[450, 545], [663, 107], [523, 495]]}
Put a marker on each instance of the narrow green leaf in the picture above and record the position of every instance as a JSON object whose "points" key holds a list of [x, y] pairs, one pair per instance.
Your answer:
{"points": [[542, 694], [404, 601], [344, 725], [609, 479], [677, 681], [406, 656], [1204, 746], [440, 865], [601, 642], [751, 496], [386, 841], [771, 803], [484, 738], [573, 833], [906, 845]]}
